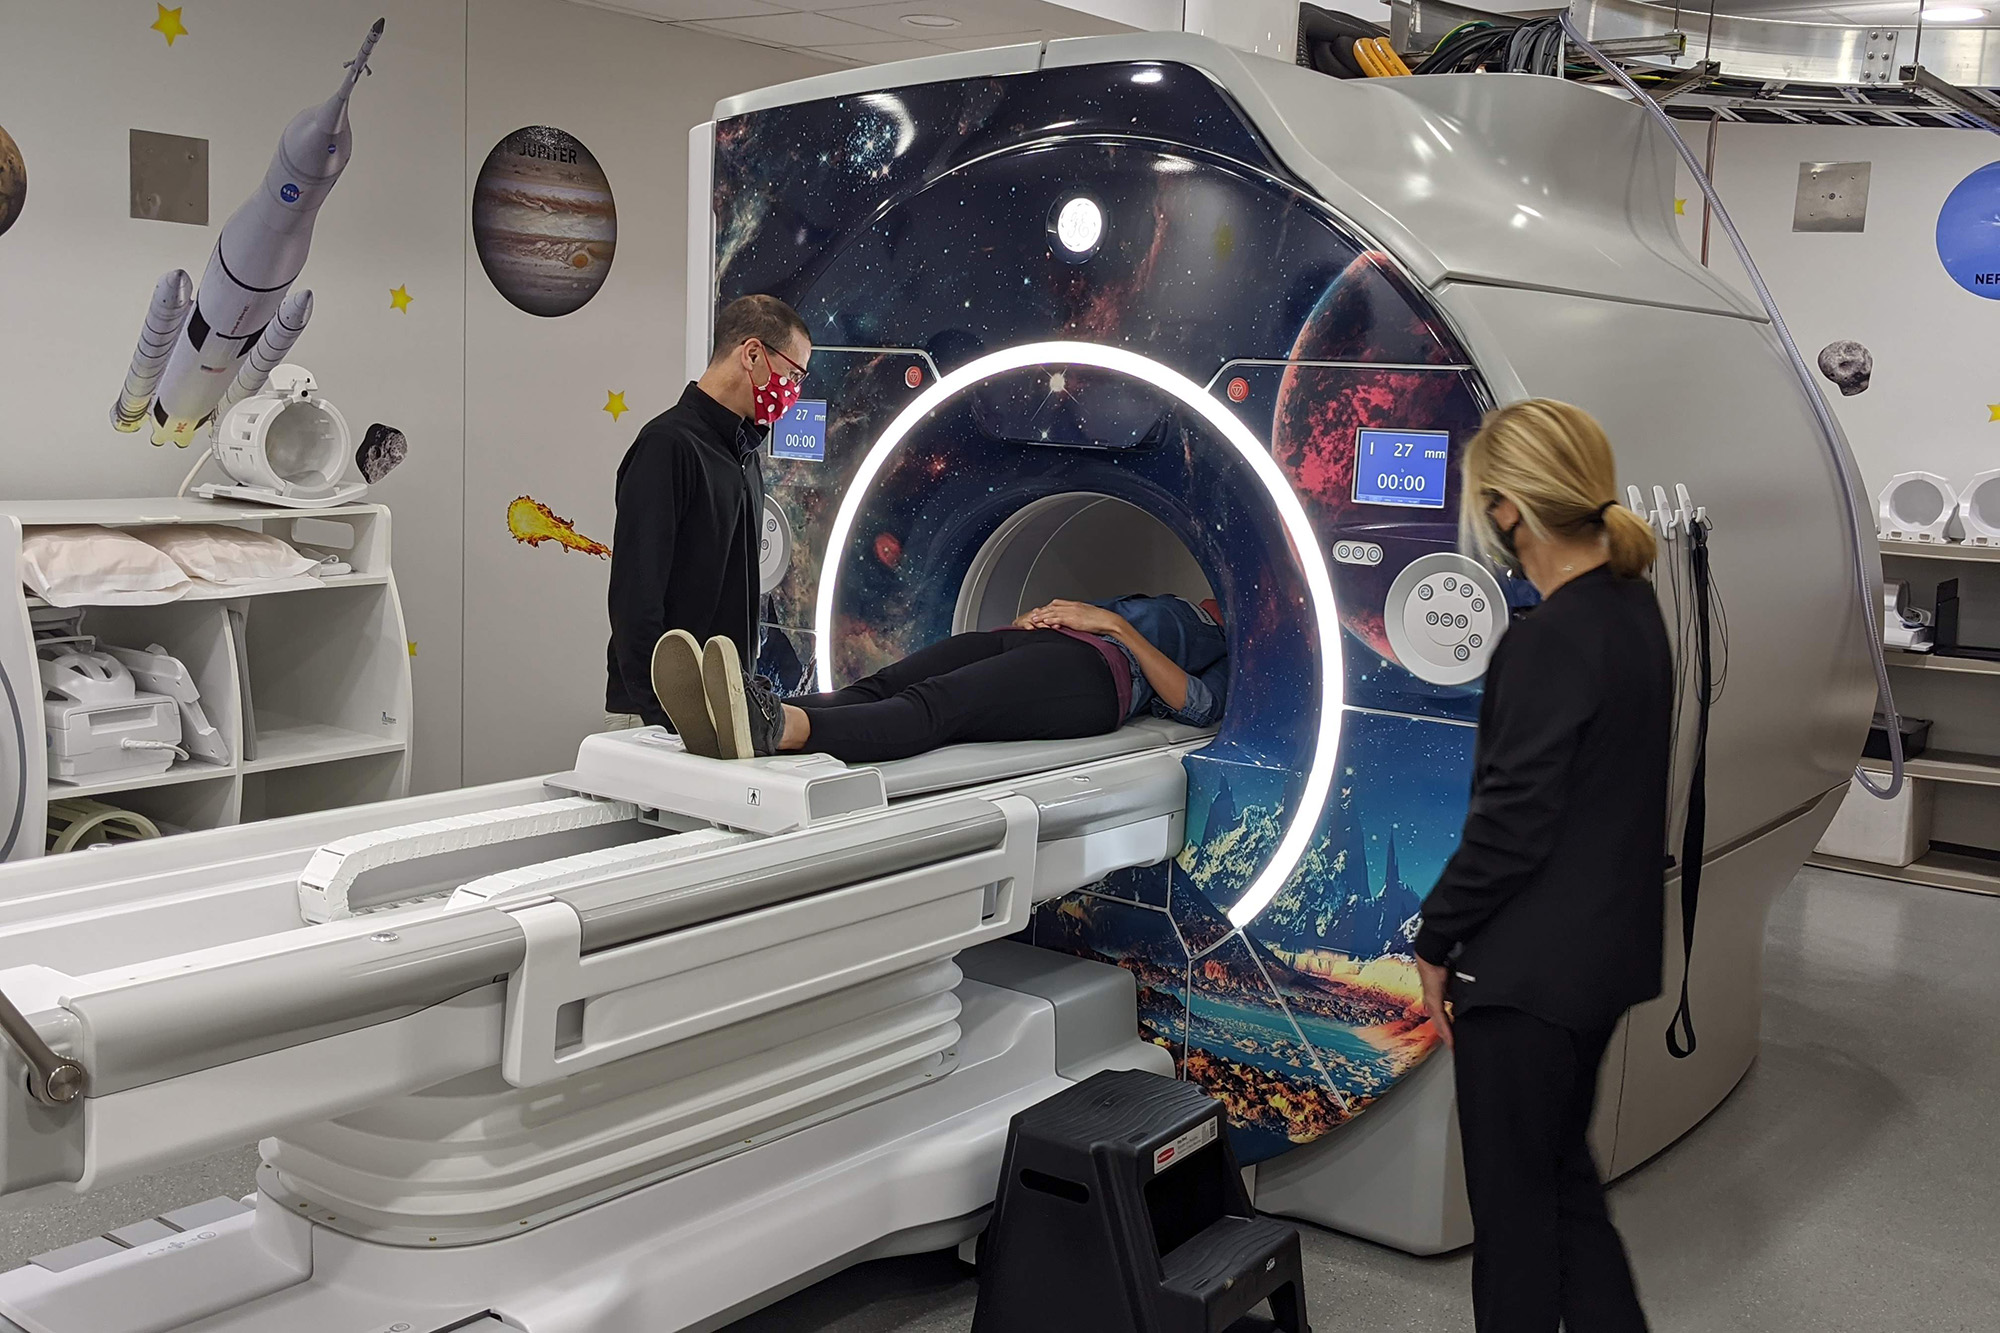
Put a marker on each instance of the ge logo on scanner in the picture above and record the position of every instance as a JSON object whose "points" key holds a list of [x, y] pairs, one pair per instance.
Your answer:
{"points": [[1443, 615]]}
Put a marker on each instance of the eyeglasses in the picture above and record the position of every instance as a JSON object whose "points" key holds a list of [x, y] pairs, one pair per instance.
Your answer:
{"points": [[798, 372]]}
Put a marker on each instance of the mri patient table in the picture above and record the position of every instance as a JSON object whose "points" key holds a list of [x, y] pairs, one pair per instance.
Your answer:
{"points": [[641, 1046]]}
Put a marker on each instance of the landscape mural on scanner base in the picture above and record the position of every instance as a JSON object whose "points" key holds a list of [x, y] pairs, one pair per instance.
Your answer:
{"points": [[910, 228]]}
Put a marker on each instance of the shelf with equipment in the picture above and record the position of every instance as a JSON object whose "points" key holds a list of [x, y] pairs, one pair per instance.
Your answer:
{"points": [[1971, 666], [1944, 829], [1961, 551], [306, 681], [1979, 770], [1935, 868]]}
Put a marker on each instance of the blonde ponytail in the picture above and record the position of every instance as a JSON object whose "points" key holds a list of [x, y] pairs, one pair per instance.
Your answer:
{"points": [[1554, 462], [1631, 541]]}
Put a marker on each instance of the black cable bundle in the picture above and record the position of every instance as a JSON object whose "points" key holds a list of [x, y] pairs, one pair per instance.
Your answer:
{"points": [[1326, 41], [1711, 637], [1534, 47]]}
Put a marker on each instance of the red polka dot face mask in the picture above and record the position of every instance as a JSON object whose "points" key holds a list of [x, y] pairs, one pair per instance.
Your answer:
{"points": [[770, 401]]}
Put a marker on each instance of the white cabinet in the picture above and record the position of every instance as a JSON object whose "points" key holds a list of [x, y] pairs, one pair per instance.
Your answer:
{"points": [[310, 687]]}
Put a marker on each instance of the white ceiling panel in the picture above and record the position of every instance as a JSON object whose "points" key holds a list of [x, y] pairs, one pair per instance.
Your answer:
{"points": [[975, 17], [1000, 39], [876, 53], [865, 32], [799, 31], [675, 11]]}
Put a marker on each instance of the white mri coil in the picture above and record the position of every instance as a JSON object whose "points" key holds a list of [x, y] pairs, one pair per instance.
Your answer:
{"points": [[1979, 509], [1915, 507]]}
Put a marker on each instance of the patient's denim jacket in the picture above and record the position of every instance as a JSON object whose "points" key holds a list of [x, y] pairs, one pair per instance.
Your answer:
{"points": [[1188, 635]]}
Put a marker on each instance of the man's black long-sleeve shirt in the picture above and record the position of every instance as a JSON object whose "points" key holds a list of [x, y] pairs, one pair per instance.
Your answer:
{"points": [[684, 554], [1555, 899]]}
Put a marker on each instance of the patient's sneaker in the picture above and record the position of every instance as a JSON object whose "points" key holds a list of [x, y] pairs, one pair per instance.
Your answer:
{"points": [[678, 685], [748, 718], [767, 715]]}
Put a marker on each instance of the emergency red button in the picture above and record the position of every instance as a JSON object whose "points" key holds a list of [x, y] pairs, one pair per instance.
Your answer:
{"points": [[1239, 389], [913, 376]]}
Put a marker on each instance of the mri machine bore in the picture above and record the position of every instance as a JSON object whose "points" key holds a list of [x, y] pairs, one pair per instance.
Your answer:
{"points": [[653, 1042]]}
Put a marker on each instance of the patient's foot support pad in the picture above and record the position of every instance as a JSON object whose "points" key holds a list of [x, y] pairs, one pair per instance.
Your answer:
{"points": [[1121, 1210], [651, 768]]}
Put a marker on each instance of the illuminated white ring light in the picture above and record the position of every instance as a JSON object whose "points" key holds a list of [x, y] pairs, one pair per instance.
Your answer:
{"points": [[1305, 549]]}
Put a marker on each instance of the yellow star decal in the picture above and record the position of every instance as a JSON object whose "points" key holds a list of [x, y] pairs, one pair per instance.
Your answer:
{"points": [[1680, 208], [400, 298], [1993, 411], [614, 403], [169, 24]]}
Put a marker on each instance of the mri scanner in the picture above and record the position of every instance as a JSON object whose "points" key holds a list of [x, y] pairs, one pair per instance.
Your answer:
{"points": [[650, 1043]]}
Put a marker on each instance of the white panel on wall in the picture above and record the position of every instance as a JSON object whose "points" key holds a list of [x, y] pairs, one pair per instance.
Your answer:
{"points": [[76, 270], [1934, 401], [536, 388]]}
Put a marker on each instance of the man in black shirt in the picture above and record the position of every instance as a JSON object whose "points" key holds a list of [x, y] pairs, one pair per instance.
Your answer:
{"points": [[690, 499]]}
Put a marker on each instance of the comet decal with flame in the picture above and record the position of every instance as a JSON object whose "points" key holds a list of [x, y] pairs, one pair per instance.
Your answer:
{"points": [[531, 522]]}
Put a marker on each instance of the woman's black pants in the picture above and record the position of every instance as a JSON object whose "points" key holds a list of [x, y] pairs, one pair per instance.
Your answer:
{"points": [[1543, 1249], [994, 685]]}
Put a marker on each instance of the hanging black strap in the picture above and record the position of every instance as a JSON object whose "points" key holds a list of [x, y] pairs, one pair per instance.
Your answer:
{"points": [[1680, 1033]]}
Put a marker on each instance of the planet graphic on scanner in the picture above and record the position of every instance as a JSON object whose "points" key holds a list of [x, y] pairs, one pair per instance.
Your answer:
{"points": [[13, 181], [543, 221], [1363, 316]]}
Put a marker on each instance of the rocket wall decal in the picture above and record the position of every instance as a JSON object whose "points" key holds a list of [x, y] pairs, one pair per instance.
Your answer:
{"points": [[240, 323]]}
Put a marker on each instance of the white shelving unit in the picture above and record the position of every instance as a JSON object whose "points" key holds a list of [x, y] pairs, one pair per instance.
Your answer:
{"points": [[1961, 697], [309, 686]]}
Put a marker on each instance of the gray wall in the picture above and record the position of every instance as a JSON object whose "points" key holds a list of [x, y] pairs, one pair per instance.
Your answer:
{"points": [[1934, 342]]}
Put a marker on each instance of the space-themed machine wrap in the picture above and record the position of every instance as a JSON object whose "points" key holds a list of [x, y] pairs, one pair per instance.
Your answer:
{"points": [[1257, 232], [1215, 265]]}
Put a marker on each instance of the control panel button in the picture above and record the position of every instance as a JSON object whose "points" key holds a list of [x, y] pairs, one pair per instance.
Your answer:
{"points": [[1357, 553], [1446, 644]]}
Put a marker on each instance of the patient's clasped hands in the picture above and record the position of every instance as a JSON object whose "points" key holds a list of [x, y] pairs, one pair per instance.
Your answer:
{"points": [[1080, 616]]}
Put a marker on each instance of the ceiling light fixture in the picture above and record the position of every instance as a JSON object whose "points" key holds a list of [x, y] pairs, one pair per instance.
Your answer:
{"points": [[1951, 13], [930, 20]]}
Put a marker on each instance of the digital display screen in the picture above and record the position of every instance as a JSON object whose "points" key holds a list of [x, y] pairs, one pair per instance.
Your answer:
{"points": [[801, 432], [1401, 467]]}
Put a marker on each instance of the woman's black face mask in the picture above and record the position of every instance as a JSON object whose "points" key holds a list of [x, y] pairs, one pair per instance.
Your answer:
{"points": [[1506, 535]]}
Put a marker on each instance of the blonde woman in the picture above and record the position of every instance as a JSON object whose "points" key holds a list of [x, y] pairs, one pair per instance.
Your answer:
{"points": [[1547, 923]]}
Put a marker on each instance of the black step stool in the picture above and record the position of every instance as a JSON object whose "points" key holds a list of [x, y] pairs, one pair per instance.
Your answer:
{"points": [[1121, 1210]]}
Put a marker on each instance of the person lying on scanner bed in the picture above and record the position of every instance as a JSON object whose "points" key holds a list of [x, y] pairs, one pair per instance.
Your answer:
{"points": [[1061, 671]]}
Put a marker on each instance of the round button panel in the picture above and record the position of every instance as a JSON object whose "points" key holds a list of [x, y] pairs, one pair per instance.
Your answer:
{"points": [[1357, 553], [1443, 614], [774, 547]]}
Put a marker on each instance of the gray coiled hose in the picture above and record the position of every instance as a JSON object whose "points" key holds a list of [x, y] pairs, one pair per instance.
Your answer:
{"points": [[1829, 430]]}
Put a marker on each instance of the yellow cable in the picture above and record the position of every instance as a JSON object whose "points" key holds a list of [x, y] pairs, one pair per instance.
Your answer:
{"points": [[1392, 60], [1371, 64]]}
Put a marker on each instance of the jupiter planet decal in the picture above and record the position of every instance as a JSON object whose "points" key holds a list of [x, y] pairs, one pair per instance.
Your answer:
{"points": [[543, 221]]}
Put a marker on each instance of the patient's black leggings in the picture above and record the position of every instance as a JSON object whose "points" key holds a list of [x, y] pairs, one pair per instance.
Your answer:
{"points": [[995, 685]]}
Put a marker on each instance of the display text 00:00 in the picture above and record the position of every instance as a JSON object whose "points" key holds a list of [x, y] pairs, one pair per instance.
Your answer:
{"points": [[799, 442], [1396, 481]]}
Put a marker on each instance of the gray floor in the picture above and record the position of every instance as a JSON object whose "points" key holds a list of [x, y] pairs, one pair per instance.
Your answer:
{"points": [[1849, 1183]]}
